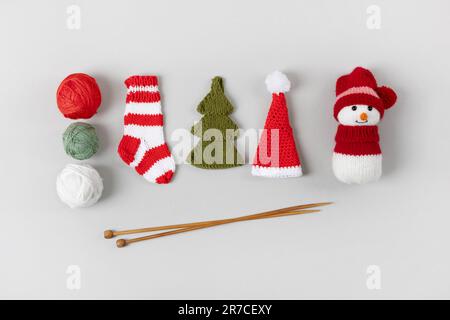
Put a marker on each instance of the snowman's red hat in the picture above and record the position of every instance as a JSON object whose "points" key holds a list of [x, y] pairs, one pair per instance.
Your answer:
{"points": [[360, 87]]}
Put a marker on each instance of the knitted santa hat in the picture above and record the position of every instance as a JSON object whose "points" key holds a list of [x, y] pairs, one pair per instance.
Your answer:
{"points": [[360, 87], [276, 156]]}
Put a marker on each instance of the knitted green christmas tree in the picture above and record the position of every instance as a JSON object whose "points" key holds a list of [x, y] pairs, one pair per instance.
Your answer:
{"points": [[217, 132]]}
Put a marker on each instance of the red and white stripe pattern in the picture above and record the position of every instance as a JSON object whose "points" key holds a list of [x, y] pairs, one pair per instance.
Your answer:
{"points": [[143, 146], [358, 90]]}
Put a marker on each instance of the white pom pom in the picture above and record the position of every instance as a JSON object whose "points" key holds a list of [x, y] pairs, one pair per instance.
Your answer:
{"points": [[79, 186], [277, 82]]}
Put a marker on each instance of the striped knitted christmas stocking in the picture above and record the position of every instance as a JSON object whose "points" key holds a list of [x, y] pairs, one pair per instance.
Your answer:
{"points": [[143, 146]]}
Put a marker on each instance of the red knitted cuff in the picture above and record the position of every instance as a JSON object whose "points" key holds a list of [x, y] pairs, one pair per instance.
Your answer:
{"points": [[357, 140], [141, 81]]}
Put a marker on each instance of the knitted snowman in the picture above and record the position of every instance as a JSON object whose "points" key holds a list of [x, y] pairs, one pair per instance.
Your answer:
{"points": [[359, 107]]}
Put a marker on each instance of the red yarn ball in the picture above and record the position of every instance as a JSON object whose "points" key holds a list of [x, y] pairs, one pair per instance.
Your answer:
{"points": [[78, 96]]}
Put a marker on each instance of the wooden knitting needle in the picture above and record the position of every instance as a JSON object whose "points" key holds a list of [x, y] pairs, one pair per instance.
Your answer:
{"points": [[123, 242], [108, 234]]}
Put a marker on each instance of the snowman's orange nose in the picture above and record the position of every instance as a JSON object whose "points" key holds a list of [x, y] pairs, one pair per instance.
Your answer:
{"points": [[363, 116]]}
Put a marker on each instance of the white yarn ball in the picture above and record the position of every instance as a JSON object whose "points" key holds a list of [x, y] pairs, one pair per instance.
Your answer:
{"points": [[277, 82], [79, 186]]}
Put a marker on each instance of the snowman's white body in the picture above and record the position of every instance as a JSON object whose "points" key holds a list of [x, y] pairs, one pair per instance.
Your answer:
{"points": [[357, 169]]}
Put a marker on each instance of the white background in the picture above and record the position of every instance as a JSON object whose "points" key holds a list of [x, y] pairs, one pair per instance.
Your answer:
{"points": [[400, 223]]}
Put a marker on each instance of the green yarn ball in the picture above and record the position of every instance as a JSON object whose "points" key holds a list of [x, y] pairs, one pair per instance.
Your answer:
{"points": [[80, 141]]}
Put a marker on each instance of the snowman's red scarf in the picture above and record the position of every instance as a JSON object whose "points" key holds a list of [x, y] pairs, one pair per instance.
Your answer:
{"points": [[357, 140]]}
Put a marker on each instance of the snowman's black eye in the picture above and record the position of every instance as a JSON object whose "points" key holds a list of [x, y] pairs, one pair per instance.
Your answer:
{"points": [[370, 108], [354, 108]]}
